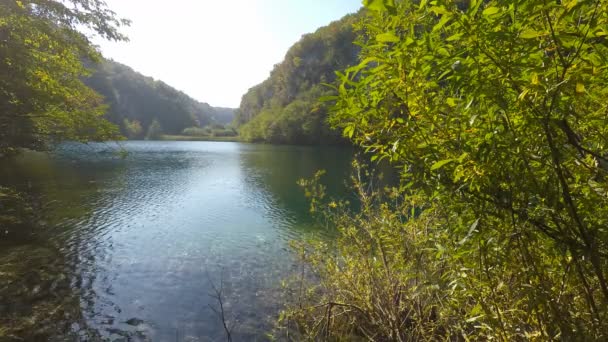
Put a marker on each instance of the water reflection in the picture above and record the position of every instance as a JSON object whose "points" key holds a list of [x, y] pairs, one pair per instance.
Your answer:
{"points": [[139, 242]]}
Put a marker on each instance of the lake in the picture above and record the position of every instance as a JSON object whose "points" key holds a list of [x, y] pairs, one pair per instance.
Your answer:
{"points": [[132, 248]]}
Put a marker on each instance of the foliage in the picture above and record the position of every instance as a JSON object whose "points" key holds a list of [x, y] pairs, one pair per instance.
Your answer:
{"points": [[210, 131], [495, 113], [133, 129], [137, 98], [42, 99], [222, 115], [155, 131], [285, 107]]}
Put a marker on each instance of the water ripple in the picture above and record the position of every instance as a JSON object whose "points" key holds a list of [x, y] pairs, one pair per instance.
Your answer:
{"points": [[144, 239]]}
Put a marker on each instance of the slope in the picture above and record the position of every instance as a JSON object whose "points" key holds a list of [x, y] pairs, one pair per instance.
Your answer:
{"points": [[284, 109], [144, 107]]}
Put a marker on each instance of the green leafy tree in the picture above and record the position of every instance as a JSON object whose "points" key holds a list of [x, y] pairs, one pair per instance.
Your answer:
{"points": [[42, 97], [133, 129], [495, 111], [155, 131]]}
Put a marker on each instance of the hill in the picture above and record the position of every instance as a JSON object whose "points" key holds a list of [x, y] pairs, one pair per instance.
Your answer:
{"points": [[284, 108], [144, 107]]}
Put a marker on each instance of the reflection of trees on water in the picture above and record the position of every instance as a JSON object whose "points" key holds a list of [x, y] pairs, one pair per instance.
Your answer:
{"points": [[60, 279], [41, 288], [276, 170]]}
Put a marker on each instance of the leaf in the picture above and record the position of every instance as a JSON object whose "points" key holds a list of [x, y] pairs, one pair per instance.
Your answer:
{"points": [[530, 34], [490, 11], [387, 37], [439, 10], [349, 131], [535, 79], [523, 94], [444, 20], [328, 98], [472, 229], [580, 88], [452, 102], [570, 4], [473, 319], [454, 37], [441, 163], [380, 5]]}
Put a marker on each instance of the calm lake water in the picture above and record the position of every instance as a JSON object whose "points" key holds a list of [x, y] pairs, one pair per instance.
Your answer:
{"points": [[132, 247]]}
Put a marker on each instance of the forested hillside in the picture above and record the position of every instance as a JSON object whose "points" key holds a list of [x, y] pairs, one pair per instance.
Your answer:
{"points": [[285, 107], [143, 107]]}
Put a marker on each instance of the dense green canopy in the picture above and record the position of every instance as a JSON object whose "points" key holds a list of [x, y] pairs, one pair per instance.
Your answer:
{"points": [[42, 97], [285, 107]]}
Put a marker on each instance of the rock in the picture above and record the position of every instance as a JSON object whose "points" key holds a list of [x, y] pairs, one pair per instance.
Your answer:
{"points": [[134, 321]]}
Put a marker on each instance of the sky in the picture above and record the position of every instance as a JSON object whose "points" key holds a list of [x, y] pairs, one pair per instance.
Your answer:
{"points": [[215, 50]]}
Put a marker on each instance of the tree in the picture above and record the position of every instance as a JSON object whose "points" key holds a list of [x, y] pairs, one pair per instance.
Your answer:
{"points": [[495, 113], [133, 129], [42, 97], [155, 131]]}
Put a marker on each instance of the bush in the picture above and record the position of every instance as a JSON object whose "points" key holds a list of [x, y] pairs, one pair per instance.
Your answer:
{"points": [[197, 132], [494, 111], [397, 272]]}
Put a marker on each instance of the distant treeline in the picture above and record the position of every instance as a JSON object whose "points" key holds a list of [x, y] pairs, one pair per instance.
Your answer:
{"points": [[146, 108]]}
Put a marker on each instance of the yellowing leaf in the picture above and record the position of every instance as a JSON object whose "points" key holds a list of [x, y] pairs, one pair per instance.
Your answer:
{"points": [[379, 5], [455, 37], [535, 80], [490, 11], [570, 4], [530, 34], [523, 94], [440, 164], [451, 102], [387, 37], [580, 88], [439, 10]]}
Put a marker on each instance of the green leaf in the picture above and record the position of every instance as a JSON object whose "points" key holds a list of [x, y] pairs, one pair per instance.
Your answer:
{"points": [[440, 164], [439, 10], [472, 229], [490, 11], [444, 20], [387, 37], [328, 98], [580, 88], [349, 131], [379, 5], [530, 34], [473, 319], [454, 37]]}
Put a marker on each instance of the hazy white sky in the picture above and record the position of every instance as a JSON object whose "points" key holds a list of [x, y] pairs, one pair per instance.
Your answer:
{"points": [[215, 50]]}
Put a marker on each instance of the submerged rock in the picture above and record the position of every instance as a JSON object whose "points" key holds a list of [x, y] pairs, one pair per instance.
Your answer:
{"points": [[134, 321]]}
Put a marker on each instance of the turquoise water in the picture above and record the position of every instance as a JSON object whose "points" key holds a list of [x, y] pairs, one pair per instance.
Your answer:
{"points": [[133, 247]]}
